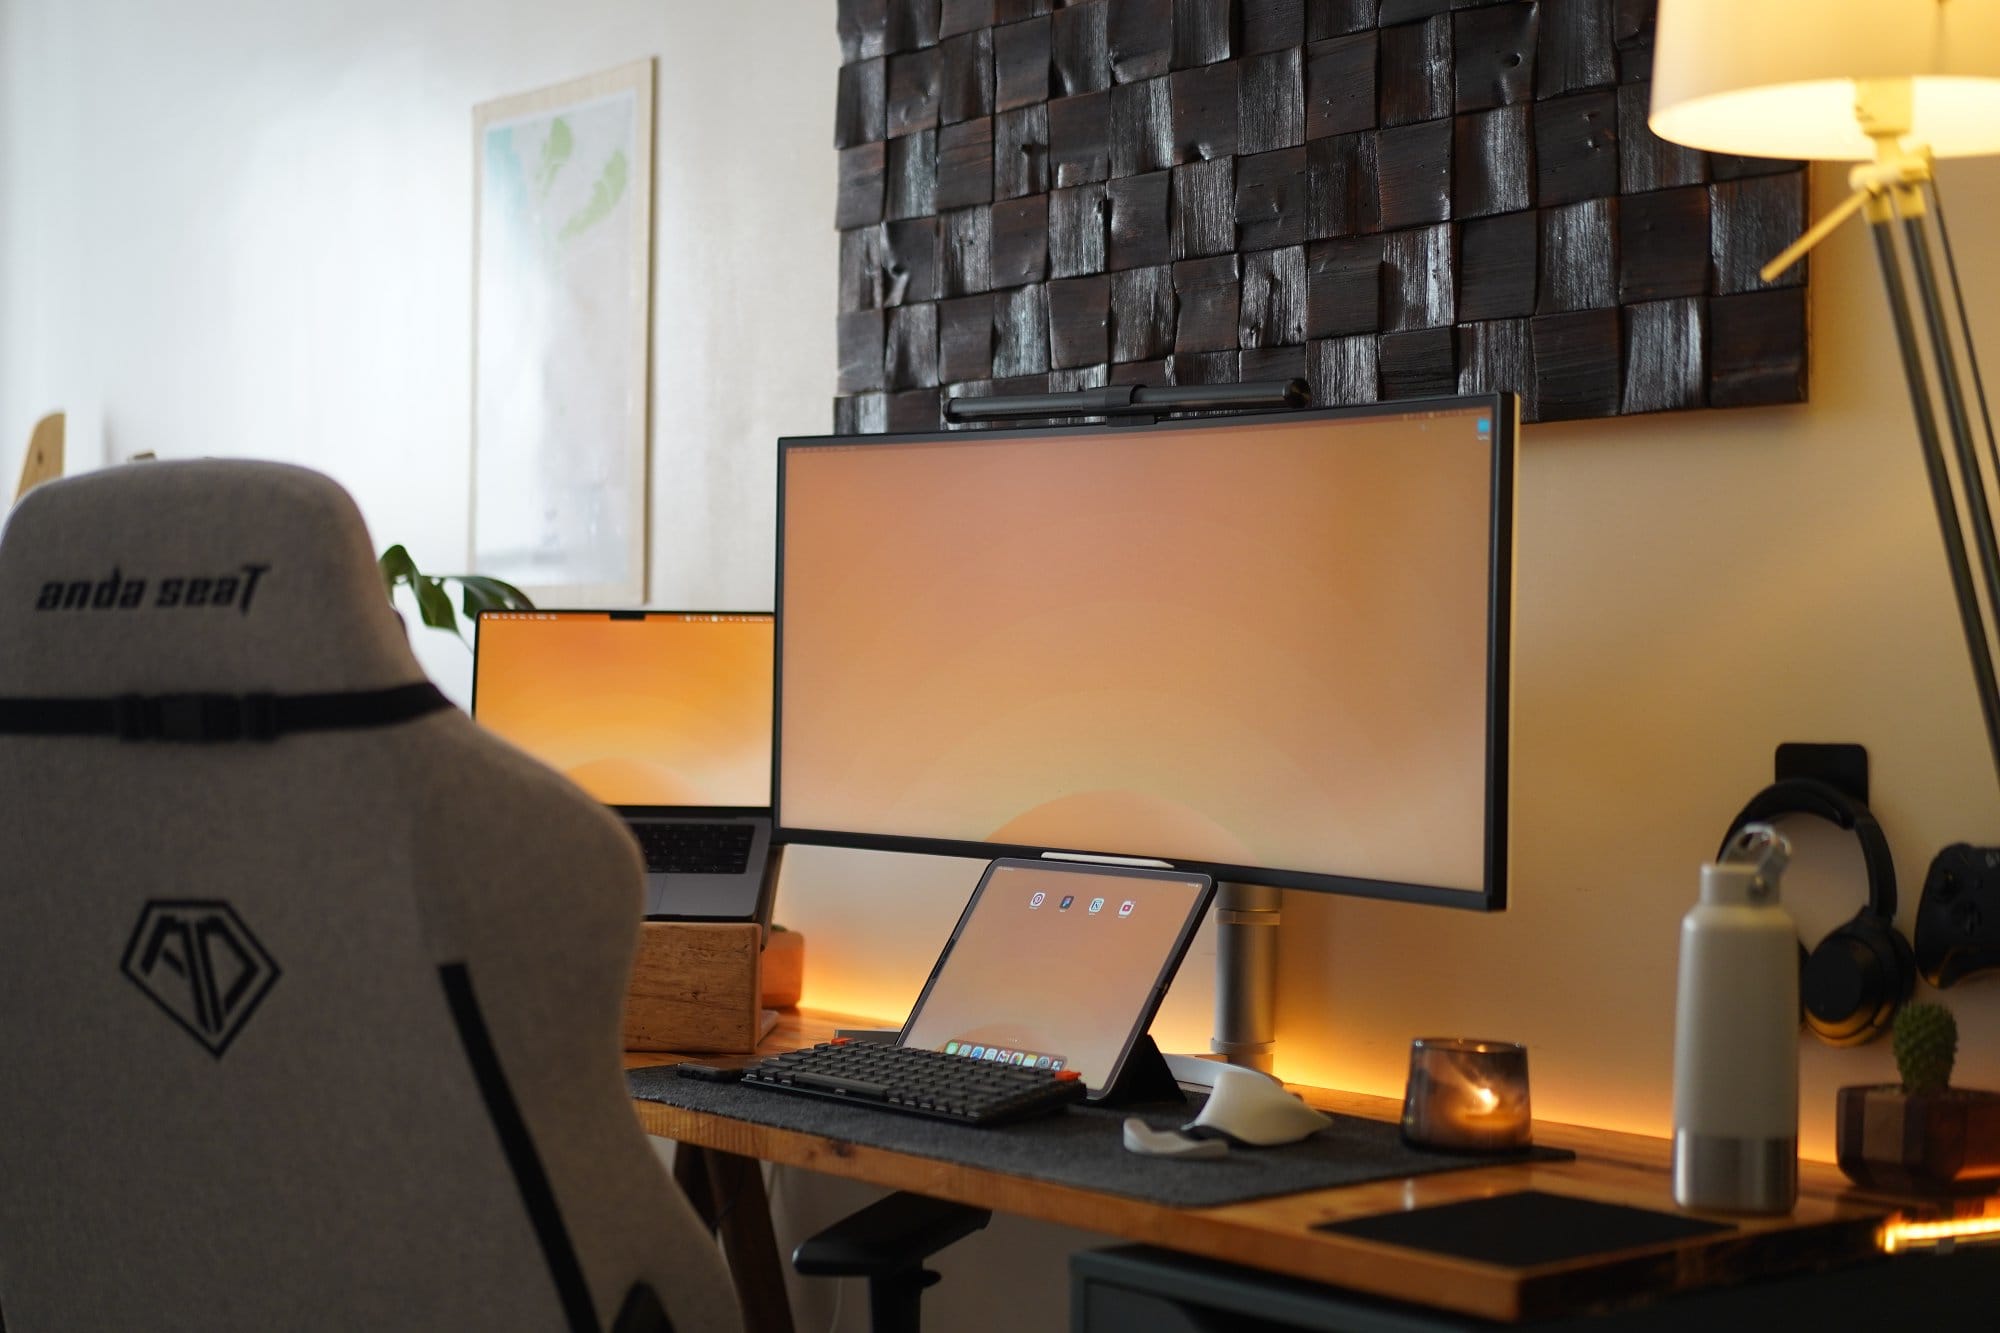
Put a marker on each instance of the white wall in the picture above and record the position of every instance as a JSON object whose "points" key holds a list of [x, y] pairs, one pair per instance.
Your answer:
{"points": [[242, 227]]}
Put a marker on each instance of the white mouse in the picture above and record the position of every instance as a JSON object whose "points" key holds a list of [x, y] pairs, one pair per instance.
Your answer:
{"points": [[1254, 1108]]}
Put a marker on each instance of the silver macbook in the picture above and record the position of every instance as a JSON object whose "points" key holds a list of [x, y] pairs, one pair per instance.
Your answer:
{"points": [[665, 716]]}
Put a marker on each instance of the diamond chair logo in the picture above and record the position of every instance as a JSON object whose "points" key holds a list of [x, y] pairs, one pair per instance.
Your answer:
{"points": [[200, 963]]}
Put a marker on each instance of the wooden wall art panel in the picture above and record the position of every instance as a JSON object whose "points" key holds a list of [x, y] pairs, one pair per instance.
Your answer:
{"points": [[1387, 198]]}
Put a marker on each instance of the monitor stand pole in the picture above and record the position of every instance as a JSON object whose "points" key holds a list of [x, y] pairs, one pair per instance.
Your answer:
{"points": [[1246, 974]]}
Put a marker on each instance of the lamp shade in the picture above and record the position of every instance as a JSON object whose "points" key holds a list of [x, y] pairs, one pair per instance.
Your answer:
{"points": [[1775, 78]]}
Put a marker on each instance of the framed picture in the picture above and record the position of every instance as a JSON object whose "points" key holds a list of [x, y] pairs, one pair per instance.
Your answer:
{"points": [[562, 275]]}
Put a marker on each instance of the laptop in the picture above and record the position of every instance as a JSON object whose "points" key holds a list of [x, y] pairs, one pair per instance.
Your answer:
{"points": [[665, 716]]}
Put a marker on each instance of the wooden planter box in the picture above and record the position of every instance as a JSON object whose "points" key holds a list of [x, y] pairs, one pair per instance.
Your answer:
{"points": [[1910, 1143]]}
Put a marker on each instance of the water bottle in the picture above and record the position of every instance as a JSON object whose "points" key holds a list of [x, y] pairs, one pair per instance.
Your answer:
{"points": [[1736, 1033]]}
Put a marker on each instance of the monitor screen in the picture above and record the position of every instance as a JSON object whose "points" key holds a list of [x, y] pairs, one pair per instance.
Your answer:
{"points": [[654, 708], [1058, 966], [1272, 648]]}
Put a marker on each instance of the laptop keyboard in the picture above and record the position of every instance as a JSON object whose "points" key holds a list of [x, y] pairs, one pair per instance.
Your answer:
{"points": [[675, 848], [919, 1082]]}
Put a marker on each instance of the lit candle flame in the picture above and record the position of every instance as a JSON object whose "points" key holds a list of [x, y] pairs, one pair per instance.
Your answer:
{"points": [[1486, 1098]]}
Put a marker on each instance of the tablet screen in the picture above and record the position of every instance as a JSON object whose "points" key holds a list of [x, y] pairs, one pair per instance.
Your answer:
{"points": [[1058, 966]]}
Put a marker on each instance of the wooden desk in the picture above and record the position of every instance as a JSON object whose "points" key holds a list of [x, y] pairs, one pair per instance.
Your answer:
{"points": [[1830, 1225]]}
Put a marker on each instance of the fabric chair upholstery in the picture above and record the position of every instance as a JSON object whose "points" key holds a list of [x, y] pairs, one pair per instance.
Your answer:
{"points": [[242, 984]]}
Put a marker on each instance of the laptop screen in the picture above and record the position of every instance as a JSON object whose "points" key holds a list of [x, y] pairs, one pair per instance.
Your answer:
{"points": [[655, 708]]}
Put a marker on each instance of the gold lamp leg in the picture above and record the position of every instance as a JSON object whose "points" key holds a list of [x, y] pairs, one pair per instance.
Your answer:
{"points": [[45, 454]]}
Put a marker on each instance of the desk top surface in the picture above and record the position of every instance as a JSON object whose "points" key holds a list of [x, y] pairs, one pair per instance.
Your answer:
{"points": [[1831, 1224]]}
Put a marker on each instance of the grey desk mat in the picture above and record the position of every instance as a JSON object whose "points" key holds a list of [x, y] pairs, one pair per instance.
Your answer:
{"points": [[1084, 1145]]}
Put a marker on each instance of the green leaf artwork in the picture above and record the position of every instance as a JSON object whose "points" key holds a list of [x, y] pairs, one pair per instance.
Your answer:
{"points": [[604, 197]]}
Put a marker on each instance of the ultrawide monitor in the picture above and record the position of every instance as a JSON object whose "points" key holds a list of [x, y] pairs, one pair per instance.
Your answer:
{"points": [[1270, 648]]}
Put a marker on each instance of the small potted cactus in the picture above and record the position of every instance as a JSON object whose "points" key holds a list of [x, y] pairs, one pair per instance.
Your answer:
{"points": [[1920, 1136]]}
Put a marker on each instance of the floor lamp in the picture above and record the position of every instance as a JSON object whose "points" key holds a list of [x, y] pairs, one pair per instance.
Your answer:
{"points": [[1890, 84]]}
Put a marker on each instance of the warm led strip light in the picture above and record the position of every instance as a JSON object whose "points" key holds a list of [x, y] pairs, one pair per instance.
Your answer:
{"points": [[1913, 1235]]}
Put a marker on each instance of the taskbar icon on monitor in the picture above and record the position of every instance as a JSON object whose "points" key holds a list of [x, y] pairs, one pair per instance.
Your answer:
{"points": [[1004, 1055]]}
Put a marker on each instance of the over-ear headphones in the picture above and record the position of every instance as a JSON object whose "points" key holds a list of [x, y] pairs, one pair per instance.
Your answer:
{"points": [[1852, 982]]}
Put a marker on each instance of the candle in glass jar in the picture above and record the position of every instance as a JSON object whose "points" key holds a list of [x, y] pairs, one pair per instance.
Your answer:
{"points": [[1467, 1095]]}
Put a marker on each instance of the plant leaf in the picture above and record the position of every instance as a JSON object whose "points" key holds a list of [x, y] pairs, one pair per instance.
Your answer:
{"points": [[433, 605], [396, 567], [489, 594]]}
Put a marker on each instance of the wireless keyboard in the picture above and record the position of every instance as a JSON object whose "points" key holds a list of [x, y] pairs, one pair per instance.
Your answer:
{"points": [[919, 1082]]}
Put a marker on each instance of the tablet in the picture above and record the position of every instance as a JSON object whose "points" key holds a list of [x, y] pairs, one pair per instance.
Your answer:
{"points": [[1059, 965]]}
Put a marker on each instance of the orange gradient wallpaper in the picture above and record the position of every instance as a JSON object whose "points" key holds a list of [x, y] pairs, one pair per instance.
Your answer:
{"points": [[1260, 644], [668, 709]]}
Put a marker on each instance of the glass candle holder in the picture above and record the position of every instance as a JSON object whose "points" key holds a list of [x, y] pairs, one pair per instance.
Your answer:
{"points": [[1467, 1096]]}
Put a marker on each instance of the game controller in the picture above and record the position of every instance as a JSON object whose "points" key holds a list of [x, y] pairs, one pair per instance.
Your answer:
{"points": [[1958, 918]]}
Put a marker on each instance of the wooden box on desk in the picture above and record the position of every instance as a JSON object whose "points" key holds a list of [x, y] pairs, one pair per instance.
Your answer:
{"points": [[695, 987]]}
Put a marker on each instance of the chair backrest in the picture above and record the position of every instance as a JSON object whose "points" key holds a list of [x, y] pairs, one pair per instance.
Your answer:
{"points": [[318, 1031]]}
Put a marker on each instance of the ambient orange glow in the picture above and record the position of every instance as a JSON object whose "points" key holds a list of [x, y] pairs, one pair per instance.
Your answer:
{"points": [[667, 709]]}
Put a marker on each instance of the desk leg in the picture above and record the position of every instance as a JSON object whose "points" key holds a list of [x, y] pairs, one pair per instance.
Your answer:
{"points": [[727, 1191]]}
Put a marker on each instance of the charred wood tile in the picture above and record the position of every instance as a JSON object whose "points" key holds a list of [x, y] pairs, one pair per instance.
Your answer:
{"points": [[1579, 257], [1414, 169], [1576, 148], [1343, 195], [861, 269], [913, 92], [912, 183], [1418, 281], [1079, 227], [860, 113], [1336, 18], [1142, 38], [1271, 25], [858, 335], [1273, 197], [859, 202], [962, 16], [1750, 221], [1021, 152], [912, 351], [1340, 85], [1209, 293], [965, 77], [1342, 371], [909, 260], [1142, 128], [1492, 163], [1645, 161], [1757, 348], [1021, 331], [1272, 310], [1080, 48], [1202, 32], [848, 416], [1497, 356], [965, 251], [1344, 286], [913, 25], [1663, 244], [1204, 112], [913, 411], [965, 164], [1146, 374], [1204, 208], [1013, 11], [1266, 364], [1391, 12], [1142, 315], [1493, 56], [1020, 241], [1573, 47], [965, 339], [1205, 368], [1726, 167], [1499, 262], [1422, 363], [1416, 76], [1141, 230], [1079, 322], [863, 27], [1071, 378], [1080, 138], [1665, 365], [1632, 39], [1022, 74], [1579, 360], [1270, 102]]}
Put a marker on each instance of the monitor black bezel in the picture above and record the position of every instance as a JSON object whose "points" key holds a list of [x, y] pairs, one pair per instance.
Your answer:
{"points": [[1503, 411]]}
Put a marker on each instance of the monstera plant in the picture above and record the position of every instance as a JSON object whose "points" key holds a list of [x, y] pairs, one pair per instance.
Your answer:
{"points": [[477, 592]]}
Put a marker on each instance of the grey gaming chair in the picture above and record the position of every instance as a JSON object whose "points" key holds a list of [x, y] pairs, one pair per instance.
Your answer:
{"points": [[309, 988]]}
